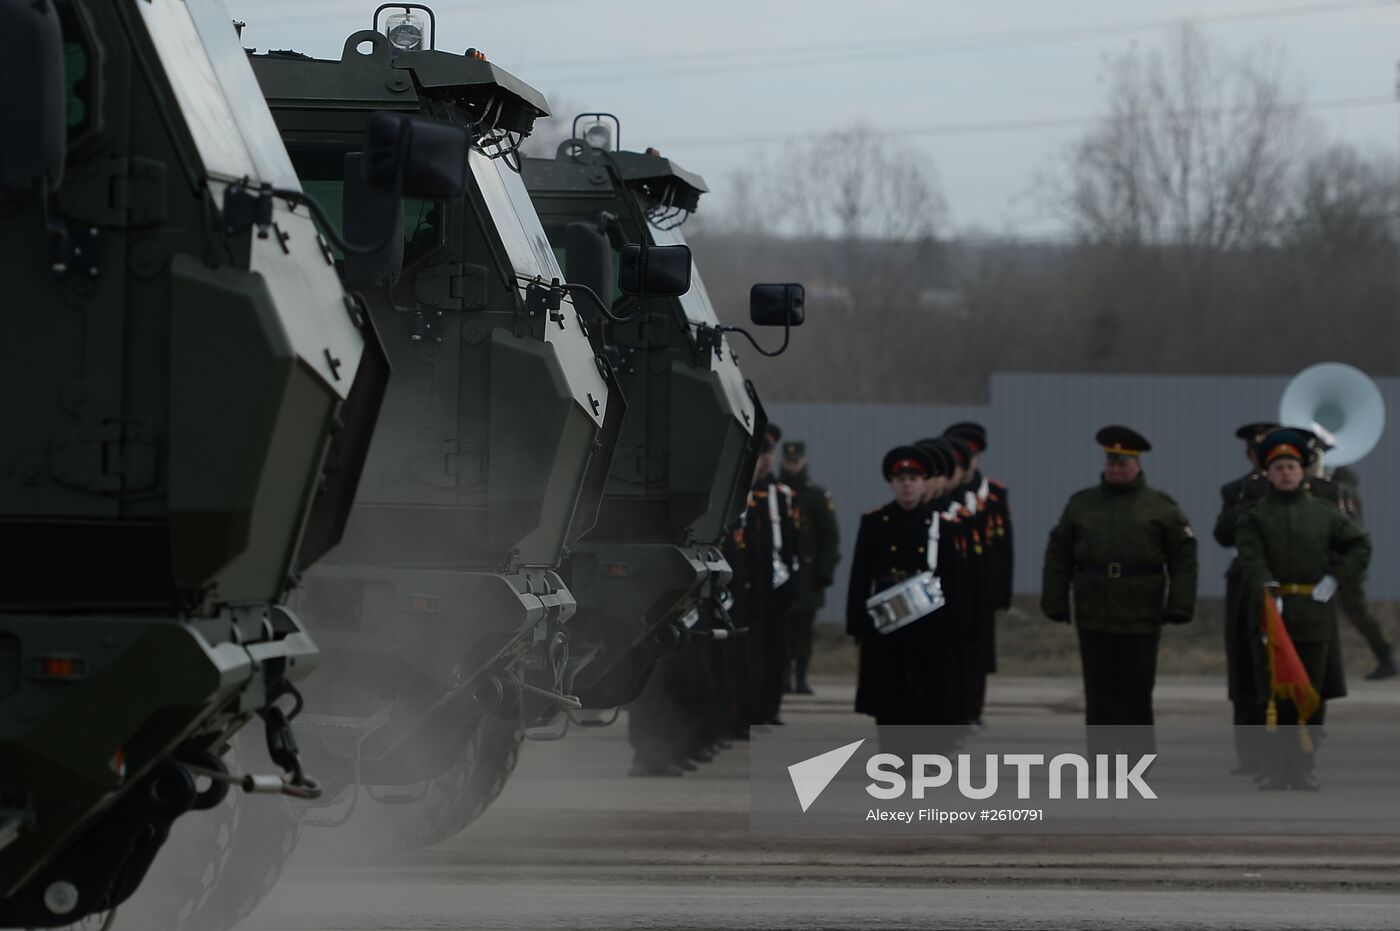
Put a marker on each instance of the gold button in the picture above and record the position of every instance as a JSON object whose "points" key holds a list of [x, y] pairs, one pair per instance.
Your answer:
{"points": [[921, 549], [893, 548]]}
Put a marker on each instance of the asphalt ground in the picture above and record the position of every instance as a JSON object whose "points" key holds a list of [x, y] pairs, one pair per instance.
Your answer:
{"points": [[573, 842]]}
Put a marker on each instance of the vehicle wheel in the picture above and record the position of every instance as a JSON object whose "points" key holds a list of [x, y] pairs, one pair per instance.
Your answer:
{"points": [[268, 831], [455, 799], [188, 867]]}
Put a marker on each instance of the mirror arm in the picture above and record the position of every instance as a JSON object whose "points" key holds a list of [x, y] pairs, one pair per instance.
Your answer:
{"points": [[565, 287], [256, 209], [600, 303], [709, 337]]}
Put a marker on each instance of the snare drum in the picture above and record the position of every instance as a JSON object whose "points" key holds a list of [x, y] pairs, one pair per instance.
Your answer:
{"points": [[900, 605]]}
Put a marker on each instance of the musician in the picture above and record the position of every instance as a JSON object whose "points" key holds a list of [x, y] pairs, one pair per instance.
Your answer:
{"points": [[1127, 554], [1342, 488], [1243, 659], [913, 674], [1294, 547]]}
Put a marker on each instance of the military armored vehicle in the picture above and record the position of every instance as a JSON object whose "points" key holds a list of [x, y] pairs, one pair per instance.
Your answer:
{"points": [[649, 574], [442, 608], [190, 394]]}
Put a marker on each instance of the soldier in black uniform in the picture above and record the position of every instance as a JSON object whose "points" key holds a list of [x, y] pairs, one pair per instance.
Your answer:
{"points": [[913, 674], [994, 524], [766, 587]]}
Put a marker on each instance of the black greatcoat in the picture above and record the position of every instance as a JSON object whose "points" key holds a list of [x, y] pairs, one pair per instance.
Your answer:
{"points": [[914, 675]]}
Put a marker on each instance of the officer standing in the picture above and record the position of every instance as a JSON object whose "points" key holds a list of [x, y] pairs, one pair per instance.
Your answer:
{"points": [[1128, 555], [1297, 549], [819, 546]]}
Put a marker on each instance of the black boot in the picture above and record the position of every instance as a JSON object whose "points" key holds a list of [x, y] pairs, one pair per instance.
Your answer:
{"points": [[802, 687], [1385, 666]]}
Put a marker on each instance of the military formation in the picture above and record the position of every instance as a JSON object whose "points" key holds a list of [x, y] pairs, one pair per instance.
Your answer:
{"points": [[352, 365], [932, 567], [928, 574], [783, 552]]}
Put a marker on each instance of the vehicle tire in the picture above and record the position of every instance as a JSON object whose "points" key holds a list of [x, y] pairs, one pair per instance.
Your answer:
{"points": [[268, 831], [188, 867], [458, 797]]}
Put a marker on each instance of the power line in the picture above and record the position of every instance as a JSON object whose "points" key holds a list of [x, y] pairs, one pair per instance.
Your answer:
{"points": [[984, 127], [787, 56]]}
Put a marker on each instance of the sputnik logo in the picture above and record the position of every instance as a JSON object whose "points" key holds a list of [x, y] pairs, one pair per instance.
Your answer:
{"points": [[811, 777]]}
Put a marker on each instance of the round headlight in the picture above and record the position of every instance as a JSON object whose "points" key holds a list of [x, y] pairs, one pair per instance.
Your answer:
{"points": [[599, 136], [405, 30]]}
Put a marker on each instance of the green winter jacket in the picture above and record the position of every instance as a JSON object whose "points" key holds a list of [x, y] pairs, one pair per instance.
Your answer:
{"points": [[1129, 555], [819, 540], [1295, 539]]}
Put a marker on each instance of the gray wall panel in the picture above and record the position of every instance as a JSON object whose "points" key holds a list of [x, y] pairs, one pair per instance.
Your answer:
{"points": [[1042, 445]]}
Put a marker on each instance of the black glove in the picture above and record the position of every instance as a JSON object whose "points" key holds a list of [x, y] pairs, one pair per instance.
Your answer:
{"points": [[1059, 618], [1178, 618], [825, 581]]}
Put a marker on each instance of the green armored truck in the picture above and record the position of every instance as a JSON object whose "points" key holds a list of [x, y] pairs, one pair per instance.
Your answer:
{"points": [[442, 609], [649, 573], [190, 393]]}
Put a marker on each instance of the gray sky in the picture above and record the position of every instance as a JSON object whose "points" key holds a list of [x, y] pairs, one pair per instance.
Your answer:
{"points": [[713, 83]]}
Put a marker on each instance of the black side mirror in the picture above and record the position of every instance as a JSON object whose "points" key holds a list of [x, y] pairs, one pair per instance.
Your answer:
{"points": [[368, 213], [777, 304], [34, 104], [430, 156], [663, 271], [588, 259]]}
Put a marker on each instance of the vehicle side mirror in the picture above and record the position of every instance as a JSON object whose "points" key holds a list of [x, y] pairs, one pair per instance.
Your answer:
{"points": [[662, 271], [430, 156], [777, 304], [368, 212], [34, 104], [588, 259]]}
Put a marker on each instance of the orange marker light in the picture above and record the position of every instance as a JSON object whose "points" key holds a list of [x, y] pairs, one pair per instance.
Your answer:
{"points": [[59, 668]]}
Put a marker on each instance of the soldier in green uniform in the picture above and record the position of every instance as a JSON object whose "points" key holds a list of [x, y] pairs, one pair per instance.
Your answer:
{"points": [[1128, 555], [1300, 549], [819, 545], [1243, 659], [1343, 488]]}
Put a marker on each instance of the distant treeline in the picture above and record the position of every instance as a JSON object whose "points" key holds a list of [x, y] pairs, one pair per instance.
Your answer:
{"points": [[1210, 229]]}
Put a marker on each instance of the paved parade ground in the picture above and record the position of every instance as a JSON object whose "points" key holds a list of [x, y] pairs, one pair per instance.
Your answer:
{"points": [[574, 843]]}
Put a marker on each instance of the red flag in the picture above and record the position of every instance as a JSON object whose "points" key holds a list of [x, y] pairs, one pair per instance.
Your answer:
{"points": [[1288, 679]]}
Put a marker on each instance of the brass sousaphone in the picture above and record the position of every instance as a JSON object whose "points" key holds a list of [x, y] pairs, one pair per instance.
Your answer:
{"points": [[1340, 400]]}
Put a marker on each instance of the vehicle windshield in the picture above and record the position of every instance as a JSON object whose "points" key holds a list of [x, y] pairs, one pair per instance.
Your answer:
{"points": [[218, 94], [696, 301], [515, 218]]}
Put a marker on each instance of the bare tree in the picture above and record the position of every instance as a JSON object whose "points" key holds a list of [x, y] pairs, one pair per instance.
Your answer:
{"points": [[874, 201], [1196, 149]]}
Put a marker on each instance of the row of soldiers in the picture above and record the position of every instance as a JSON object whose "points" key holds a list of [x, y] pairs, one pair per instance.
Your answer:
{"points": [[943, 545], [783, 552], [1121, 563]]}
